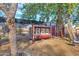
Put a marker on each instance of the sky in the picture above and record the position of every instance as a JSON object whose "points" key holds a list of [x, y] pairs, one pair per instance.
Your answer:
{"points": [[18, 12]]}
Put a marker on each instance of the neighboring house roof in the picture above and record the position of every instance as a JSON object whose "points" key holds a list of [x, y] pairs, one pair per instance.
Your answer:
{"points": [[22, 21]]}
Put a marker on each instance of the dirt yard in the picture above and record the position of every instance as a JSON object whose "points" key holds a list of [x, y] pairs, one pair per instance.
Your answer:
{"points": [[47, 47]]}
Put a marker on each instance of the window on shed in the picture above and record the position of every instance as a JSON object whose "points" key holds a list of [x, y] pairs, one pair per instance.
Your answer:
{"points": [[37, 31]]}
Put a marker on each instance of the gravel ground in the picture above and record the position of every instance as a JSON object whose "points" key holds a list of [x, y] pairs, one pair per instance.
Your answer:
{"points": [[46, 47]]}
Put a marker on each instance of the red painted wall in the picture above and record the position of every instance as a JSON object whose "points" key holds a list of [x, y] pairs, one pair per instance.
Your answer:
{"points": [[54, 33]]}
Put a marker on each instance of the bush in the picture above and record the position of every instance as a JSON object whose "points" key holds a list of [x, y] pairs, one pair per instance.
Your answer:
{"points": [[3, 37], [37, 39]]}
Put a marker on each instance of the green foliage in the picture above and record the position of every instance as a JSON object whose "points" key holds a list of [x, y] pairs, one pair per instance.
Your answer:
{"points": [[47, 11], [3, 37]]}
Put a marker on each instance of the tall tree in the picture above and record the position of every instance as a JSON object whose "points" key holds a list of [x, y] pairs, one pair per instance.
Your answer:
{"points": [[10, 10], [59, 21]]}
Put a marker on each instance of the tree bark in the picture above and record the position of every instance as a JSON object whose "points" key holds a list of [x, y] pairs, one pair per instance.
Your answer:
{"points": [[10, 10], [59, 22], [12, 28], [12, 36]]}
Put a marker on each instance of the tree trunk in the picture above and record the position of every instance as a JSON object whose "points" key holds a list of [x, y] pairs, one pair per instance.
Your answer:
{"points": [[10, 12], [12, 36], [59, 22]]}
